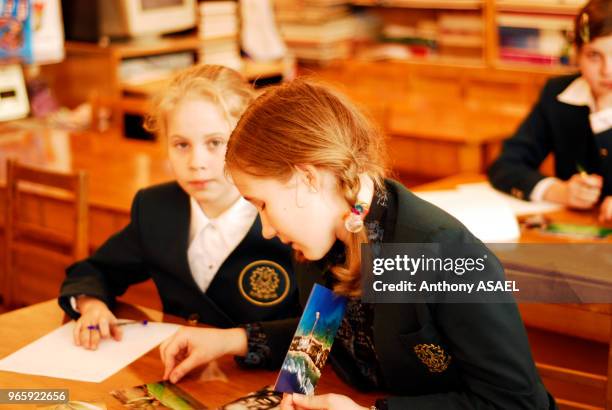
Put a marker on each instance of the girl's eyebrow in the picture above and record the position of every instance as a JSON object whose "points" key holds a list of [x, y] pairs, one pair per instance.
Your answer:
{"points": [[215, 134], [177, 136]]}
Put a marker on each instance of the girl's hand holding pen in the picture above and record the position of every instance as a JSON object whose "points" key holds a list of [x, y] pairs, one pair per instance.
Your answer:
{"points": [[584, 190], [96, 322], [581, 191]]}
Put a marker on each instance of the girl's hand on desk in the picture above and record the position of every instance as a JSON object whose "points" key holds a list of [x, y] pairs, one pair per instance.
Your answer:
{"points": [[297, 401], [581, 191], [191, 347], [605, 212], [94, 313]]}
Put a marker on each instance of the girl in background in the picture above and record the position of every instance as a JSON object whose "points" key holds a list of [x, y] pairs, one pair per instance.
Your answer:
{"points": [[572, 120]]}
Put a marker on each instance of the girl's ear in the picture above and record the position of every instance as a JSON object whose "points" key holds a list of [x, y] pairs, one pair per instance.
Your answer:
{"points": [[310, 176]]}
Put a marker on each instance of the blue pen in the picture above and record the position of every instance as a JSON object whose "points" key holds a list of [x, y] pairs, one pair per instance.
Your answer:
{"points": [[121, 323]]}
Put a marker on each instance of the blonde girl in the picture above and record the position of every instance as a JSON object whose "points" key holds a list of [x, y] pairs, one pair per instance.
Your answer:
{"points": [[195, 237]]}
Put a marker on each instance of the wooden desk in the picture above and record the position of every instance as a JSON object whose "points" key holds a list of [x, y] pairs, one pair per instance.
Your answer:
{"points": [[25, 325], [574, 339], [588, 321], [441, 138], [527, 236]]}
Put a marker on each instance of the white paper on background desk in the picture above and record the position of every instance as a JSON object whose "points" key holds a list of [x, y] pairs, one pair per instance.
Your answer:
{"points": [[486, 215], [55, 354], [518, 206]]}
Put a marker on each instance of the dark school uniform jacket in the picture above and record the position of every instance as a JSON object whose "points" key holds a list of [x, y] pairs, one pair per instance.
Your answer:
{"points": [[488, 358], [557, 127], [255, 282]]}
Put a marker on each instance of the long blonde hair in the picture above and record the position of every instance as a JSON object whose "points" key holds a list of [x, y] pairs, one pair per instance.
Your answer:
{"points": [[220, 85], [306, 123]]}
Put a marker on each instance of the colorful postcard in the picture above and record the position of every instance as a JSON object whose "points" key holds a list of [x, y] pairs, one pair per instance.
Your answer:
{"points": [[312, 342], [263, 399], [160, 395]]}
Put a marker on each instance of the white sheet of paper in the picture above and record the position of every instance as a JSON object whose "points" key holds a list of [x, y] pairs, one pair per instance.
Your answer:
{"points": [[55, 354], [518, 206], [486, 215]]}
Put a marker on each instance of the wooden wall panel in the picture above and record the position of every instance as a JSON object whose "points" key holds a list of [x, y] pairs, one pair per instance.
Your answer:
{"points": [[590, 322]]}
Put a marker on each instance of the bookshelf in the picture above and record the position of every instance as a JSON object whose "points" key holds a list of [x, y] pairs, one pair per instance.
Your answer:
{"points": [[424, 4], [92, 73], [483, 19], [103, 62], [570, 7], [436, 32]]}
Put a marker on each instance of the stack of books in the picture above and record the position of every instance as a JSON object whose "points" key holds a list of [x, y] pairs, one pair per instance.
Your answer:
{"points": [[448, 33], [461, 30], [218, 31], [419, 40], [541, 39], [310, 11], [317, 31]]}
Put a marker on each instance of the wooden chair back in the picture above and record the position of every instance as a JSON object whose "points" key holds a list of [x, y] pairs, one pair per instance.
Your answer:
{"points": [[30, 239]]}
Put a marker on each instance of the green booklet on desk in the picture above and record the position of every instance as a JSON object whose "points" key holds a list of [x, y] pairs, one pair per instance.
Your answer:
{"points": [[578, 231]]}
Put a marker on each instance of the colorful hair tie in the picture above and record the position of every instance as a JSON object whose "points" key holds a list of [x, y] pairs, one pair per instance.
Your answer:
{"points": [[353, 222], [585, 32]]}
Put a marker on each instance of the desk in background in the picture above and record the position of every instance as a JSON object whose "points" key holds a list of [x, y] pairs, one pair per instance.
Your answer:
{"points": [[23, 326], [574, 340]]}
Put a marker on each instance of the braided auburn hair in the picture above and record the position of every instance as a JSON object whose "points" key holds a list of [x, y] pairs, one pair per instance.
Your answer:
{"points": [[303, 122]]}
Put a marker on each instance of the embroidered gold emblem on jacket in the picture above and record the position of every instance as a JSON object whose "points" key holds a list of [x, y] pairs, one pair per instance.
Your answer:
{"points": [[433, 356], [264, 283]]}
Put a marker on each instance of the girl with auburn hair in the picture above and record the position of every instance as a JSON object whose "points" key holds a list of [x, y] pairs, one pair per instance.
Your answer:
{"points": [[196, 237], [573, 121], [313, 166]]}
